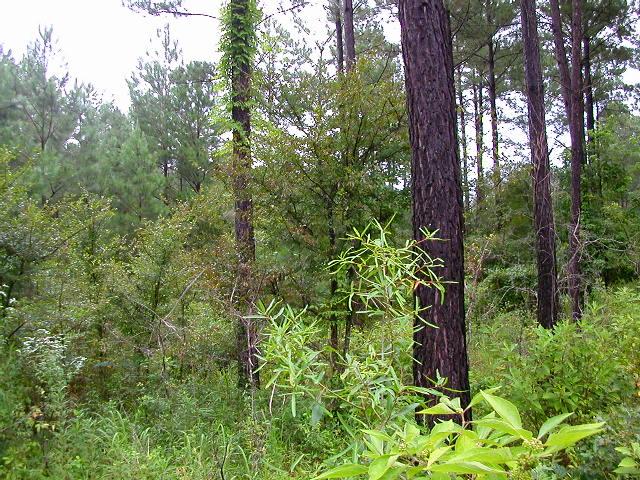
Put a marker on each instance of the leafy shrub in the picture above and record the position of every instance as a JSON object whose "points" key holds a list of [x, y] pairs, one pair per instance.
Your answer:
{"points": [[496, 447]]}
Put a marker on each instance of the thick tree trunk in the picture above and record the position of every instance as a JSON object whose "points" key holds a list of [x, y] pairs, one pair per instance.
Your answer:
{"points": [[478, 110], [543, 207], [349, 35], [436, 192], [244, 233], [492, 91], [576, 125], [339, 42], [463, 140]]}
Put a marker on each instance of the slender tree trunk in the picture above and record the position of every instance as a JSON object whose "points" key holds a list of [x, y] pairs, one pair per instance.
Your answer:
{"points": [[244, 232], [349, 35], [333, 288], [577, 159], [463, 140], [339, 42], [560, 53], [572, 95], [492, 91], [547, 308], [436, 191], [588, 87], [478, 106]]}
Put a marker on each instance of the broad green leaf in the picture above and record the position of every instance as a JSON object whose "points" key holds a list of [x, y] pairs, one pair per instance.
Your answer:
{"points": [[552, 423], [504, 408], [344, 471], [570, 435]]}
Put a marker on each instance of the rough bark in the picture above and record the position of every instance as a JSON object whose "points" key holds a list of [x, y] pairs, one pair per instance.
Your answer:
{"points": [[436, 191], [349, 35], [244, 233], [478, 110], [547, 308]]}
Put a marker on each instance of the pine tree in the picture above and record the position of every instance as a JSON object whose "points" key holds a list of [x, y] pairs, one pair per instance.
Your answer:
{"points": [[436, 192], [543, 205]]}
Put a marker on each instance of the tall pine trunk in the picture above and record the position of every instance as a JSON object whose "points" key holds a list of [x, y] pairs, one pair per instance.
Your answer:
{"points": [[436, 192], [572, 95], [547, 308]]}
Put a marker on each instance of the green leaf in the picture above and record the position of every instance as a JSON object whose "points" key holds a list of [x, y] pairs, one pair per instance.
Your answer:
{"points": [[378, 434], [477, 398], [570, 435], [627, 462], [484, 455], [552, 423], [504, 408], [437, 453], [344, 471], [439, 409], [380, 466], [503, 426]]}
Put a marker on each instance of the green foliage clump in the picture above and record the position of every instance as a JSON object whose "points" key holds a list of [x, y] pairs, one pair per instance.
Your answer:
{"points": [[584, 367]]}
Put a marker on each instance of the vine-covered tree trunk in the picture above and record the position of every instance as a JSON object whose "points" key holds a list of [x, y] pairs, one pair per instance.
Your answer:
{"points": [[436, 191], [241, 39], [349, 35], [543, 206]]}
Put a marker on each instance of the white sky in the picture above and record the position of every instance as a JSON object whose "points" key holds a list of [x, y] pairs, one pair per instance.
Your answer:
{"points": [[101, 40]]}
